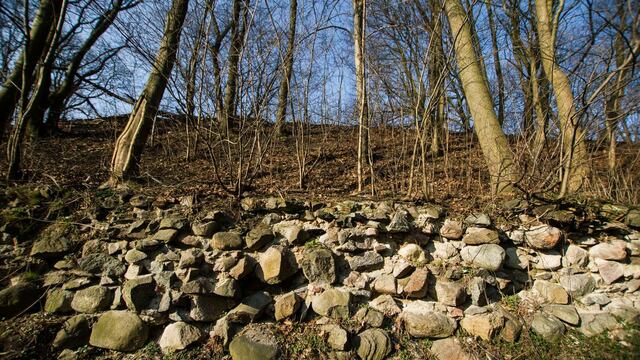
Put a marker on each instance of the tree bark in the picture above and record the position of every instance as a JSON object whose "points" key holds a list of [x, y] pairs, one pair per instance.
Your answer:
{"points": [[613, 113], [38, 36], [235, 49], [288, 66], [492, 140], [130, 143], [575, 162], [496, 62], [361, 87]]}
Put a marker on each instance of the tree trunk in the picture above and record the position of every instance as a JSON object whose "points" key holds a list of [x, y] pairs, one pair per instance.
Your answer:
{"points": [[32, 107], [575, 162], [496, 62], [235, 49], [288, 66], [492, 140], [130, 143], [57, 98], [361, 87], [38, 44], [613, 113]]}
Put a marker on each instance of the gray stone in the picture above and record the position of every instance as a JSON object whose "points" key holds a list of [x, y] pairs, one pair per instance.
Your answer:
{"points": [[450, 293], [551, 292], [58, 301], [480, 235], [74, 333], [337, 337], [332, 302], [431, 324], [385, 304], [131, 332], [134, 256], [259, 236], [547, 326], [209, 308], [92, 299], [205, 228], [595, 323], [178, 336], [578, 285], [292, 232], [166, 236], [226, 240], [369, 316], [478, 219], [138, 292], [190, 258], [254, 344], [177, 223], [385, 284], [369, 261], [477, 288], [400, 223], [250, 308], [226, 286], [373, 344], [633, 218], [319, 266], [101, 264], [487, 256], [548, 261], [53, 242], [566, 313]]}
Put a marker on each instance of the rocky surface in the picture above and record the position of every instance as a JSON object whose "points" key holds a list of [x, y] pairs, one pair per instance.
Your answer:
{"points": [[384, 268]]}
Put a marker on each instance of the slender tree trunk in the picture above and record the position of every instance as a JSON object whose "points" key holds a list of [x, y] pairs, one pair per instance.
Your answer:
{"points": [[38, 44], [57, 98], [575, 162], [288, 66], [613, 113], [436, 78], [492, 140], [361, 87], [235, 49], [31, 107], [496, 62], [130, 143]]}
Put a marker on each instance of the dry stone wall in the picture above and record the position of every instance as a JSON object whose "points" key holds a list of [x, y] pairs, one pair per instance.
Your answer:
{"points": [[190, 277]]}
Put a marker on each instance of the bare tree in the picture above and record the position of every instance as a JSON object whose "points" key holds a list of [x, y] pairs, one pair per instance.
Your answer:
{"points": [[287, 66], [130, 144]]}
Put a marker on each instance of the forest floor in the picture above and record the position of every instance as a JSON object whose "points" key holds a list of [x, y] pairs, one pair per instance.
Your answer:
{"points": [[79, 157]]}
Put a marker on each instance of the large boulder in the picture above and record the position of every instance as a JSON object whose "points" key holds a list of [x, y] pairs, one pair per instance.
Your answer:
{"points": [[319, 266], [486, 256], [276, 265], [373, 344], [178, 336], [58, 301], [120, 331]]}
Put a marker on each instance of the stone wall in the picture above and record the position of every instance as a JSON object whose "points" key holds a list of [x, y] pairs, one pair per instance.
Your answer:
{"points": [[156, 265]]}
